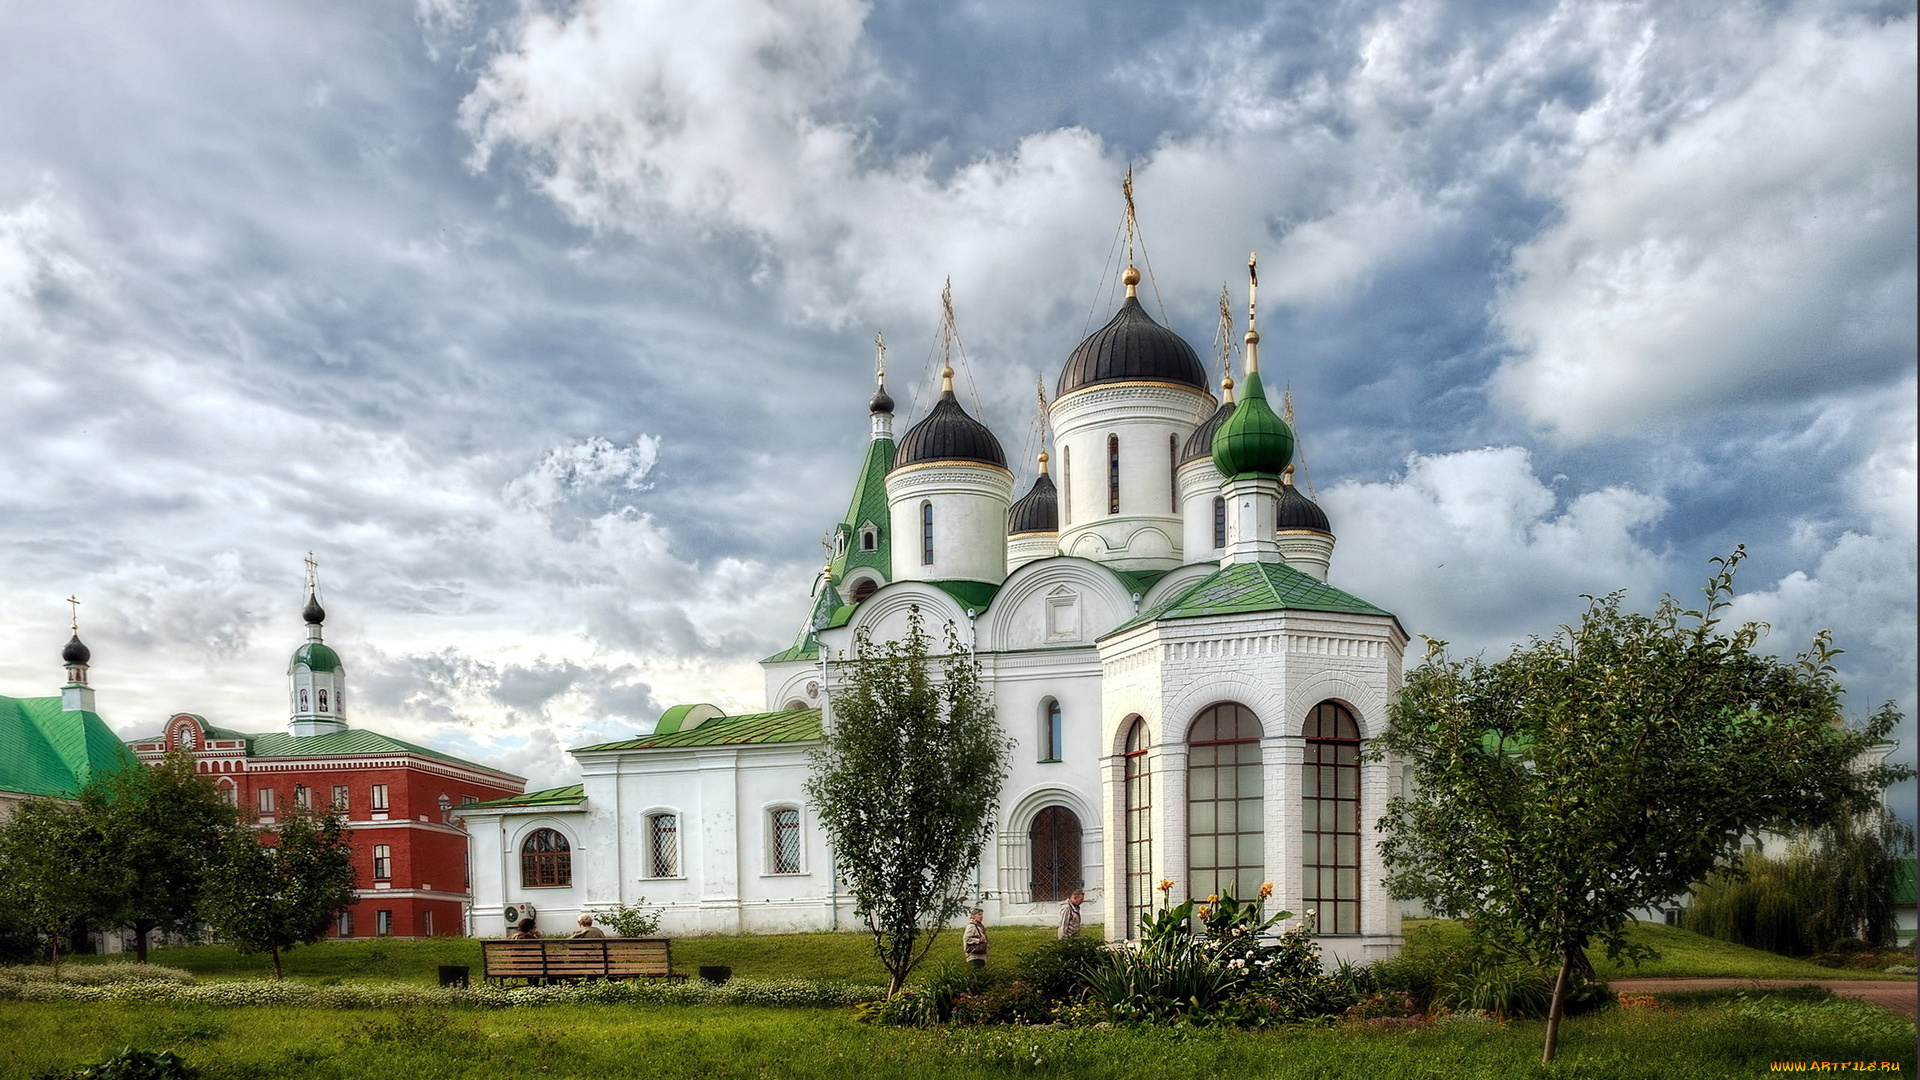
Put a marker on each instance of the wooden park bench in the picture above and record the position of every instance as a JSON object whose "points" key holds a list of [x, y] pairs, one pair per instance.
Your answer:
{"points": [[565, 960]]}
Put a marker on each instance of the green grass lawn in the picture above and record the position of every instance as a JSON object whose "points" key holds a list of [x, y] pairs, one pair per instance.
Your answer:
{"points": [[1703, 1043], [1683, 954], [828, 957]]}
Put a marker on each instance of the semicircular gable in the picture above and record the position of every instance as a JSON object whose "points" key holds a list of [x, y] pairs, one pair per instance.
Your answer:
{"points": [[1061, 601], [1174, 581], [885, 613], [1235, 686], [1019, 816], [1366, 702]]}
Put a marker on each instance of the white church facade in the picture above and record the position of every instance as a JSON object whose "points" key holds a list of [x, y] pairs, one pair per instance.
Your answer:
{"points": [[1188, 695]]}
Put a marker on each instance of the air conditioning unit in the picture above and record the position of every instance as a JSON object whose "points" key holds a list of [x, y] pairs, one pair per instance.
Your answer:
{"points": [[516, 912]]}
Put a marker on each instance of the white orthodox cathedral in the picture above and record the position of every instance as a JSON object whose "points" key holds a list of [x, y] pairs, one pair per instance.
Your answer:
{"points": [[1188, 695]]}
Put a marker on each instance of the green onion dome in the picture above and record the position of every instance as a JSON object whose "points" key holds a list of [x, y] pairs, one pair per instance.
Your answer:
{"points": [[316, 656], [1254, 441]]}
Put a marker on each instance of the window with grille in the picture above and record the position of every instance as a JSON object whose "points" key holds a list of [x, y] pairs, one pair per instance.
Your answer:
{"points": [[323, 701], [1054, 844], [786, 840], [382, 862], [926, 534], [663, 845], [546, 860], [1139, 828], [379, 796], [1219, 522], [1226, 829], [866, 588], [1330, 797], [1113, 474]]}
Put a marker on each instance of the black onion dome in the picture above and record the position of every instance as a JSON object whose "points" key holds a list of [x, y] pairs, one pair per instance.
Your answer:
{"points": [[1038, 511], [1299, 512], [1200, 443], [949, 434], [76, 651], [881, 403], [313, 612], [1132, 347]]}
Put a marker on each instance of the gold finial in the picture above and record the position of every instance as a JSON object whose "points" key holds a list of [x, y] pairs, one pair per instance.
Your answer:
{"points": [[74, 602], [1126, 191], [1286, 413], [1226, 388], [1253, 291], [1226, 343], [1131, 279], [879, 359], [826, 573], [1043, 463], [946, 331], [946, 379]]}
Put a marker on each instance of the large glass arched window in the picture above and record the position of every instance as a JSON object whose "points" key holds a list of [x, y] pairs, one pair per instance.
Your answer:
{"points": [[1330, 791], [926, 534], [1226, 831], [1052, 731], [1139, 827], [1113, 474], [1054, 842], [546, 860]]}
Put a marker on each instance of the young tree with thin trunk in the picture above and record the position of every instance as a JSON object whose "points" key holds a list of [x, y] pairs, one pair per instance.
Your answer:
{"points": [[906, 786], [162, 830], [1610, 767], [273, 891]]}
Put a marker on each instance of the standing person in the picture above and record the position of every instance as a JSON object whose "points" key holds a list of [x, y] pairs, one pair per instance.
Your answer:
{"points": [[974, 941], [1070, 913], [587, 929]]}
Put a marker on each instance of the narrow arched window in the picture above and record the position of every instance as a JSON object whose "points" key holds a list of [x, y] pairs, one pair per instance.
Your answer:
{"points": [[663, 845], [1173, 473], [868, 540], [1138, 820], [1219, 522], [303, 699], [1050, 732], [1330, 805], [323, 701], [1066, 484], [546, 860], [784, 837], [1226, 831], [1054, 844], [926, 534], [1113, 474]]}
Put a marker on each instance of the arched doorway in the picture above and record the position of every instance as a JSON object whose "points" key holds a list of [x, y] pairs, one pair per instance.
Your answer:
{"points": [[1054, 846]]}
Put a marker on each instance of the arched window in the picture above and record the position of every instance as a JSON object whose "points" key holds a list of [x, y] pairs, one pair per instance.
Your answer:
{"points": [[869, 541], [926, 534], [323, 701], [1113, 474], [1173, 472], [1219, 522], [1066, 484], [546, 860], [1226, 833], [1139, 828], [663, 845], [303, 699], [1054, 842], [1050, 731], [865, 588], [784, 840], [1330, 795]]}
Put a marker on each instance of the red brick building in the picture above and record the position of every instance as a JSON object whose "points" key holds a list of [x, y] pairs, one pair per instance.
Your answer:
{"points": [[411, 861]]}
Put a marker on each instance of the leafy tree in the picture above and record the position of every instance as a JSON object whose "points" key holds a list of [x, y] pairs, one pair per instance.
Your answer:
{"points": [[1831, 886], [162, 831], [272, 891], [906, 786], [49, 869], [1610, 767]]}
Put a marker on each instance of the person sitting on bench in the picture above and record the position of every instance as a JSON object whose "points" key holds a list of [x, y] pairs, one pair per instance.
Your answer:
{"points": [[587, 929]]}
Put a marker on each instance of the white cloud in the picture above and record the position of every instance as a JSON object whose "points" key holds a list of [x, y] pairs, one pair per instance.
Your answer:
{"points": [[592, 466], [1473, 548], [1758, 245]]}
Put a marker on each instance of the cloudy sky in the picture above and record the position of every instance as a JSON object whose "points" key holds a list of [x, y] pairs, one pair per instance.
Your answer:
{"points": [[546, 326]]}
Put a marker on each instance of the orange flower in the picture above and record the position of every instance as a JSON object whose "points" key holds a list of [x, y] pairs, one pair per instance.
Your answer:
{"points": [[1213, 898], [1266, 889], [1166, 885], [1204, 911]]}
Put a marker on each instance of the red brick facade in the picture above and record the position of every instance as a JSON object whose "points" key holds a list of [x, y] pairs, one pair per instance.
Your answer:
{"points": [[411, 865]]}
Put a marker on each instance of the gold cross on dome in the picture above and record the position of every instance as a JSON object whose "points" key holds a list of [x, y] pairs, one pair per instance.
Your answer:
{"points": [[75, 602], [313, 572]]}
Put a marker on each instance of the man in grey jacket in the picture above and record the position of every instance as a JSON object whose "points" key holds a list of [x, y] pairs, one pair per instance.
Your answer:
{"points": [[1070, 913]]}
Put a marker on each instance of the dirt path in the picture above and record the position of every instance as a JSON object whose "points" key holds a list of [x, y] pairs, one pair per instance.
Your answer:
{"points": [[1900, 995]]}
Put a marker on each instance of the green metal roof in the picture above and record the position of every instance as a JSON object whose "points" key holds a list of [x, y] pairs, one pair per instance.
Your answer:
{"points": [[1139, 582], [1254, 587], [571, 795], [278, 744], [46, 750], [787, 726], [971, 594], [869, 504], [316, 655]]}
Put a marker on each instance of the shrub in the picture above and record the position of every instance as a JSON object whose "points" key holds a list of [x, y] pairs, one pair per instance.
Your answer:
{"points": [[132, 1064], [1058, 970], [629, 920]]}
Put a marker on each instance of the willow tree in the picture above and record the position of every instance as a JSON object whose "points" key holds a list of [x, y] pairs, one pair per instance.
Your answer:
{"points": [[1608, 768], [906, 785]]}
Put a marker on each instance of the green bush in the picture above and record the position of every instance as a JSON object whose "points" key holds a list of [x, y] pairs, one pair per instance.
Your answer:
{"points": [[1058, 970], [132, 1064], [629, 920]]}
